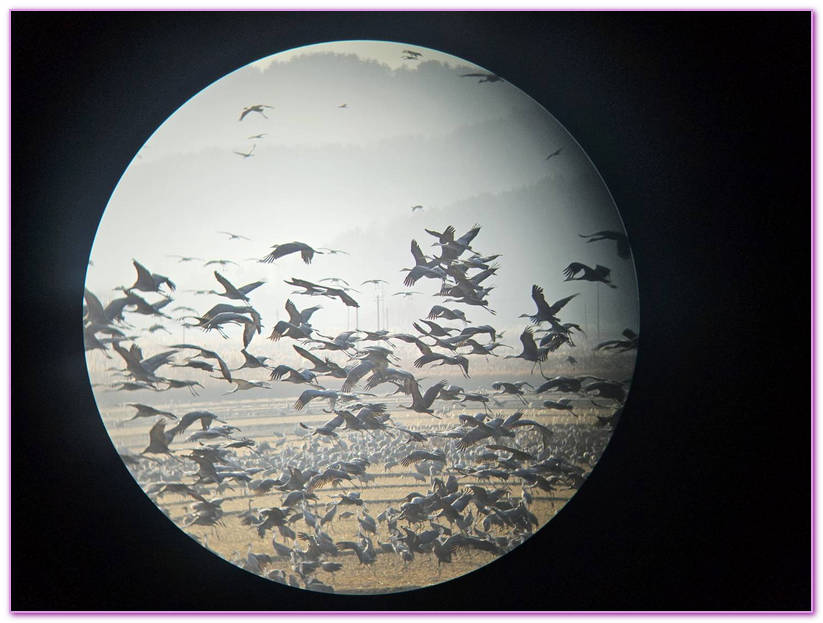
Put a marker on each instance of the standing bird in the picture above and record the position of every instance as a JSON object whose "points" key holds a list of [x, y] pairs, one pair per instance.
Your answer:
{"points": [[580, 272], [623, 250]]}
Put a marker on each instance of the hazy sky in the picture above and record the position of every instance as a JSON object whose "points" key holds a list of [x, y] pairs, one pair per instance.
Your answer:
{"points": [[411, 132]]}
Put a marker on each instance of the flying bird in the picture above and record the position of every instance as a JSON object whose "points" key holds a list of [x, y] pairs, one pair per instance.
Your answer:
{"points": [[233, 236], [556, 152], [545, 312], [148, 281], [281, 250], [623, 249], [258, 108], [246, 154], [580, 272], [484, 77]]}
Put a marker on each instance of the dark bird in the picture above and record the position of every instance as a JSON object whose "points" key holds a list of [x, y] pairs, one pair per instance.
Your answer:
{"points": [[232, 292], [556, 152], [147, 411], [484, 77], [158, 440], [530, 351], [580, 272], [422, 404], [209, 354], [444, 360], [565, 404], [416, 208], [148, 281], [545, 312], [438, 311], [515, 389], [620, 346], [423, 455], [281, 250], [623, 250]]}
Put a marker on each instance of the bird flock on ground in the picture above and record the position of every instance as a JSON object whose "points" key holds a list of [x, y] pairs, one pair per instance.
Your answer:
{"points": [[381, 418]]}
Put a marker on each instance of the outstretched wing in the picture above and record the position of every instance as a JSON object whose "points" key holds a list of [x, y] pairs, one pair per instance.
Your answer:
{"points": [[560, 304], [224, 282], [307, 355], [249, 287], [431, 393], [572, 269], [417, 253], [291, 310]]}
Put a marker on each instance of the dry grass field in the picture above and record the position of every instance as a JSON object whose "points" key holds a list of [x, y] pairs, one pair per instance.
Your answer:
{"points": [[280, 443]]}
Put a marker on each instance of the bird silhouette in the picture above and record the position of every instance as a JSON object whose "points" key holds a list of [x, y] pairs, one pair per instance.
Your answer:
{"points": [[580, 272], [258, 108]]}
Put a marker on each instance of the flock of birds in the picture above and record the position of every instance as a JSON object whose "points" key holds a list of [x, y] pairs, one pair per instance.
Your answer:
{"points": [[454, 458], [469, 463], [406, 55]]}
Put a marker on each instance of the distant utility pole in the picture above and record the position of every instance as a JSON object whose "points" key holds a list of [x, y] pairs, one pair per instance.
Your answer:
{"points": [[377, 299]]}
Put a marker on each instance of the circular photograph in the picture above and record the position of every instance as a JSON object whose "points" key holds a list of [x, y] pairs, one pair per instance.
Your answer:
{"points": [[361, 317]]}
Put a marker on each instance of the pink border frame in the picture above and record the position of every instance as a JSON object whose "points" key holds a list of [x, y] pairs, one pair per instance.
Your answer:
{"points": [[418, 613]]}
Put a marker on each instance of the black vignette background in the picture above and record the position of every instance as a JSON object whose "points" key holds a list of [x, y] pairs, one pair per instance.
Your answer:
{"points": [[700, 126]]}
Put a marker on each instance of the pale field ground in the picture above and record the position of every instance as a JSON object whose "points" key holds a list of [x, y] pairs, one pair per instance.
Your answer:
{"points": [[266, 420]]}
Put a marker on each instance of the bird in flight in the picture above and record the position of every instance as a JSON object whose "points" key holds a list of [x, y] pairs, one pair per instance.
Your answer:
{"points": [[623, 250], [343, 106], [221, 262], [484, 77], [556, 152], [580, 272], [306, 252], [233, 236], [416, 208], [247, 154], [411, 55], [185, 258], [255, 108], [256, 136]]}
